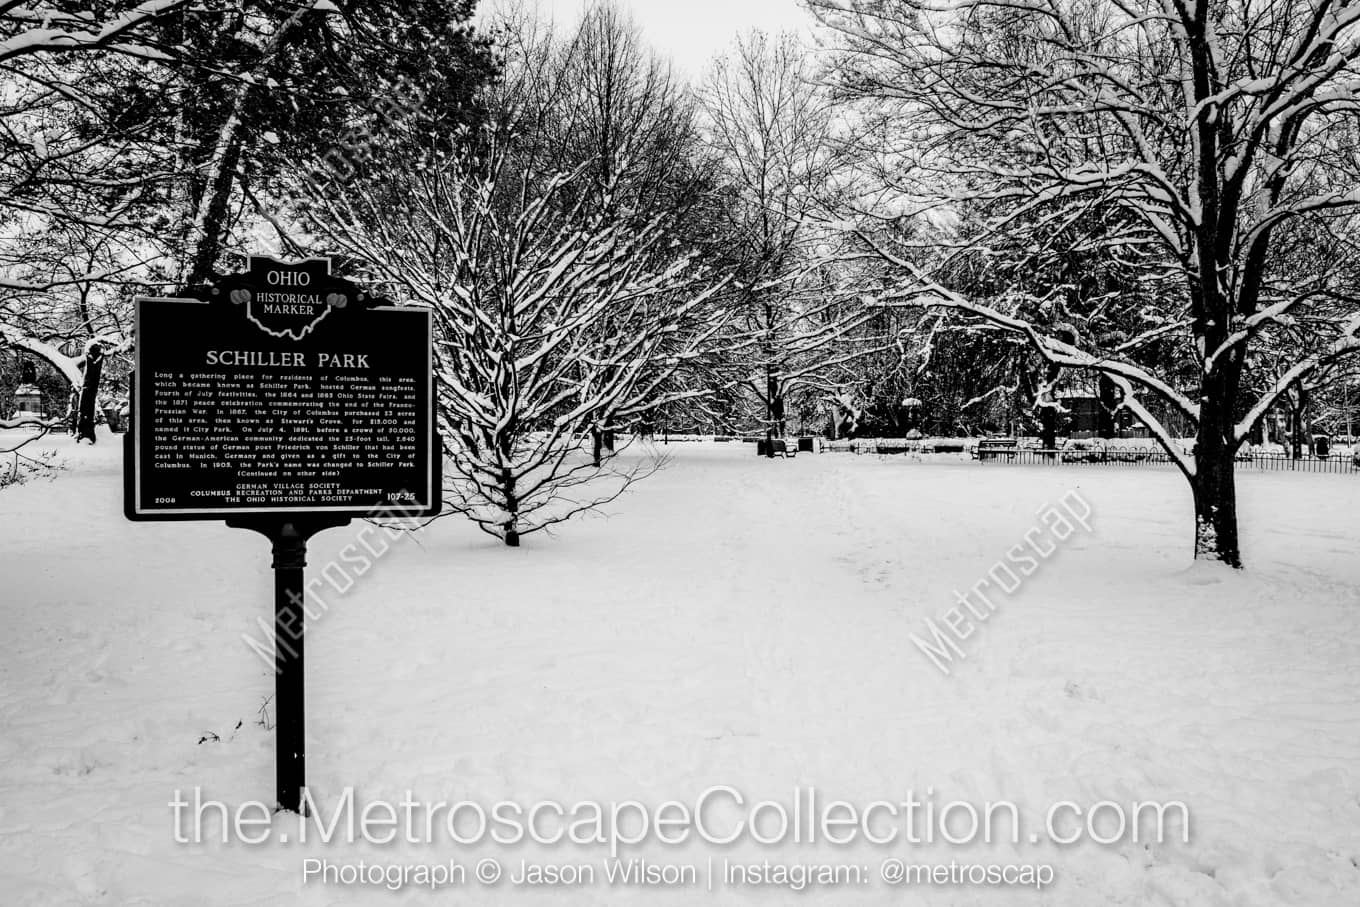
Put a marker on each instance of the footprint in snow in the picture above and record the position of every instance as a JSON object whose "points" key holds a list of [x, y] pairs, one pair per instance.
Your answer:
{"points": [[1076, 691]]}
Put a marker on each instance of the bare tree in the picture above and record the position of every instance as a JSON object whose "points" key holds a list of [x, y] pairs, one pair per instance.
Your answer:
{"points": [[552, 319], [70, 172], [262, 86], [68, 155], [1190, 138], [772, 130]]}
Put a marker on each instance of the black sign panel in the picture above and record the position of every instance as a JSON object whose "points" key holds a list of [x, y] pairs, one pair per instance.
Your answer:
{"points": [[283, 390]]}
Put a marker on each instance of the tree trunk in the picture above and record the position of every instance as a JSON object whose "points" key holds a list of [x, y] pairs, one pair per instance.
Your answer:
{"points": [[1299, 414], [1215, 492], [209, 245], [89, 393], [1214, 484], [1109, 397], [1048, 427], [601, 439], [511, 525], [774, 406], [1048, 415], [1258, 431]]}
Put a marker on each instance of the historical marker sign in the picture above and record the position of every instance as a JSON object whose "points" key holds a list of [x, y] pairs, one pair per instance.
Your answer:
{"points": [[285, 401], [283, 390]]}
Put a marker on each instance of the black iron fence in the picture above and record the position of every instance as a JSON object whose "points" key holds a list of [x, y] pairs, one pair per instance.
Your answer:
{"points": [[1148, 456], [897, 446]]}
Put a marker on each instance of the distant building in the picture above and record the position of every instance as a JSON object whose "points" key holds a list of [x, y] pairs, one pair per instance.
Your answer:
{"points": [[1084, 414], [28, 400]]}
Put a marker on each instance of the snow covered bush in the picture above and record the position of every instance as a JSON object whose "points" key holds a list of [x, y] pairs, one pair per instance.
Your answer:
{"points": [[17, 464]]}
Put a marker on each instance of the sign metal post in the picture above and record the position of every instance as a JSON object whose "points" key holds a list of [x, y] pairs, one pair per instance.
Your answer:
{"points": [[288, 540]]}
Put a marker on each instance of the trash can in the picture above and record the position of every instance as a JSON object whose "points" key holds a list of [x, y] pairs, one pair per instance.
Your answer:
{"points": [[1322, 446], [762, 447], [805, 445]]}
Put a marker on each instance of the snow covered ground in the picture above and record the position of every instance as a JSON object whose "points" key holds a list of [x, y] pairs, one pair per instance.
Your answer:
{"points": [[734, 621]]}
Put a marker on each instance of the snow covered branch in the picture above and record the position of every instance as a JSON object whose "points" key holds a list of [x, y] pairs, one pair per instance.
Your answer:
{"points": [[47, 28], [1345, 345]]}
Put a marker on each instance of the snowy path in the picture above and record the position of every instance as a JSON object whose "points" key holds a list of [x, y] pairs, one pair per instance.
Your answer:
{"points": [[734, 621]]}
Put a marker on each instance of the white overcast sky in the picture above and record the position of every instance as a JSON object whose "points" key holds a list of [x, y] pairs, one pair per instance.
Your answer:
{"points": [[692, 32]]}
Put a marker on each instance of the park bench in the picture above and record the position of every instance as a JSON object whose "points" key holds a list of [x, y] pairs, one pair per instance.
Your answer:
{"points": [[996, 447], [778, 447]]}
